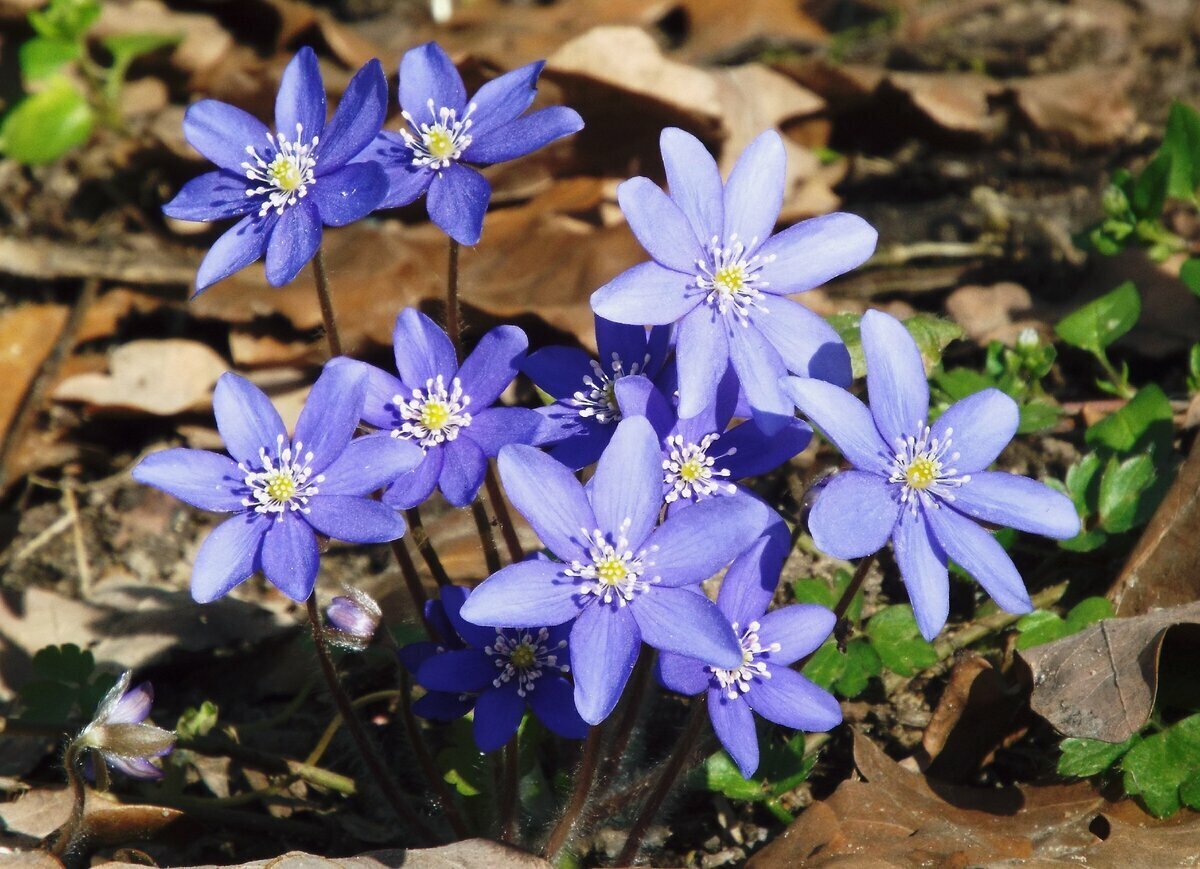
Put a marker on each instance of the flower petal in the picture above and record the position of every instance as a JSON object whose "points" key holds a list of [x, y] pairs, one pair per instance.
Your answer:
{"points": [[547, 494], [423, 350], [493, 364], [504, 98], [406, 181], [442, 706], [460, 670], [747, 452], [211, 196], [759, 369], [357, 119], [750, 583], [626, 491], [813, 251], [1017, 502], [733, 722], [808, 345], [222, 133], [854, 515], [498, 713], [627, 343], [680, 621], [922, 563], [789, 699], [369, 463], [646, 294], [349, 193], [134, 767], [524, 135], [354, 519], [463, 468], [206, 480], [427, 75], [301, 97], [495, 428], [246, 419], [330, 415], [133, 706], [701, 357], [238, 246], [558, 371], [584, 445], [980, 426], [896, 384], [681, 674], [458, 199], [638, 396], [294, 240], [290, 558], [412, 489], [528, 594], [604, 648], [658, 224], [694, 182], [452, 598], [844, 420], [754, 191], [229, 555], [553, 701], [693, 544], [981, 556], [799, 629]]}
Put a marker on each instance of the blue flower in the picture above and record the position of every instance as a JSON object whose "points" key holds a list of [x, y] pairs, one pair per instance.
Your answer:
{"points": [[507, 670], [584, 415], [352, 619], [763, 683], [283, 491], [620, 577], [444, 409], [921, 485], [119, 732], [720, 274], [444, 132], [442, 616], [283, 185]]}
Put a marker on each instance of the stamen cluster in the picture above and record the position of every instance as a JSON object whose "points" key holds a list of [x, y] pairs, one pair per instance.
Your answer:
{"points": [[285, 178], [737, 682], [598, 399], [690, 470], [433, 415], [441, 141], [730, 278], [286, 486], [524, 655], [615, 572], [922, 466]]}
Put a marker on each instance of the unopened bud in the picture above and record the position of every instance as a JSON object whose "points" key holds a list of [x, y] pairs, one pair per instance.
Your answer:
{"points": [[353, 619]]}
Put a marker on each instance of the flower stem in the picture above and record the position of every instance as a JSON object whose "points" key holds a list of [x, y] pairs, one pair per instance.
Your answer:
{"points": [[483, 525], [666, 781], [412, 581], [424, 545], [500, 507], [453, 325], [635, 693], [847, 598], [510, 795], [362, 740], [584, 777], [326, 301], [60, 842], [425, 759]]}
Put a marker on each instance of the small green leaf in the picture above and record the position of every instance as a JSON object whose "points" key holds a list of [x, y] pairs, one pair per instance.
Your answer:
{"points": [[861, 663], [1155, 768], [958, 383], [197, 721], [894, 634], [42, 56], [1181, 145], [813, 591], [1145, 421], [1120, 490], [1089, 611], [1189, 273], [1039, 627], [1086, 757], [1037, 416], [127, 46], [1083, 483], [826, 665], [66, 663], [1102, 321], [932, 335], [846, 325], [67, 20], [44, 126], [1189, 791], [1085, 541], [1150, 189], [722, 776], [1193, 378]]}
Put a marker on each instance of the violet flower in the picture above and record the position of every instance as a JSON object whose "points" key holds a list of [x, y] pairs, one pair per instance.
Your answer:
{"points": [[283, 491], [444, 132], [285, 185], [508, 670], [763, 683], [442, 615], [585, 413], [718, 271], [120, 733], [620, 577], [921, 485], [445, 409], [352, 619]]}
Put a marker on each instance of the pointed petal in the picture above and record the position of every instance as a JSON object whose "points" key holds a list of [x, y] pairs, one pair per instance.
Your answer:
{"points": [[458, 199], [497, 427], [646, 294], [702, 356], [750, 583], [694, 182], [658, 224], [604, 648], [553, 701], [626, 491], [680, 621], [1017, 502], [427, 74], [733, 722], [754, 191], [493, 364], [789, 699], [356, 121], [922, 565], [498, 713], [808, 345], [406, 182], [222, 133], [627, 343], [206, 480], [547, 494], [812, 252], [528, 594], [693, 544], [349, 193], [463, 467], [460, 671], [330, 415], [246, 419], [133, 706], [301, 97], [294, 240], [680, 674], [453, 597], [211, 196], [413, 488], [369, 463], [228, 556], [844, 420], [854, 515], [524, 135], [290, 559], [238, 246], [979, 426], [982, 557], [759, 369], [354, 519], [896, 383], [799, 629], [750, 453], [423, 350], [558, 371], [504, 98]]}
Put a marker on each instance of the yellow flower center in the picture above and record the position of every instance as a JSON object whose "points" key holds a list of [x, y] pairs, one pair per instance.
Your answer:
{"points": [[523, 656], [611, 571], [921, 473], [285, 172], [281, 487], [691, 470], [731, 279], [434, 415], [439, 143]]}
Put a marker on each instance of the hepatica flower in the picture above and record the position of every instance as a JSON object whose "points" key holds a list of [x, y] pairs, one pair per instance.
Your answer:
{"points": [[283, 185], [763, 682], [585, 412], [120, 733], [352, 619], [283, 491], [444, 409], [719, 272], [443, 132], [922, 485], [508, 670], [621, 578], [442, 616]]}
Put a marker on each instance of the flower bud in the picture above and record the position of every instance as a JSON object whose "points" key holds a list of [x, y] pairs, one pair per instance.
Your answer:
{"points": [[353, 619], [119, 733]]}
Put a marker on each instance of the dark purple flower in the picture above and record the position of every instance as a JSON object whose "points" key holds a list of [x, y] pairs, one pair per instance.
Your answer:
{"points": [[921, 485], [621, 575], [119, 732], [442, 615], [284, 185], [763, 683], [507, 670], [446, 410], [444, 132], [283, 491], [353, 619], [723, 277], [584, 415]]}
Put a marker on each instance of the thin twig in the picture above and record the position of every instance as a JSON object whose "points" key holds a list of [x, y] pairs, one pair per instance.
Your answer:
{"points": [[420, 537], [491, 555], [326, 302], [843, 604], [453, 324], [508, 528], [584, 777], [412, 581]]}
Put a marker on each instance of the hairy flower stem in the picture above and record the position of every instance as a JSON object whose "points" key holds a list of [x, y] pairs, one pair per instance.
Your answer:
{"points": [[584, 776], [666, 781], [453, 325], [370, 755], [425, 546], [61, 841], [483, 525], [425, 759], [635, 694], [843, 604], [326, 301], [412, 581], [500, 507], [510, 793]]}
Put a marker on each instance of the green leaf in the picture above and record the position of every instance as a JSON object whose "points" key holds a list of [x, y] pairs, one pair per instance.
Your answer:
{"points": [[846, 325], [1189, 791], [813, 591], [1085, 541], [1086, 757], [1121, 489], [43, 56], [47, 701], [1089, 611], [1193, 378], [1037, 416], [44, 126], [722, 776], [1145, 421], [861, 663], [1102, 321], [1083, 483], [826, 665], [66, 663], [127, 46], [895, 637], [466, 766], [932, 335], [67, 20], [783, 767], [1150, 189], [1155, 768], [197, 721], [1189, 273], [958, 383], [1039, 627], [1181, 145]]}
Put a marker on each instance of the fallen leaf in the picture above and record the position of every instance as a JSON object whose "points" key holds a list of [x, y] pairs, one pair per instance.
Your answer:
{"points": [[1087, 107], [956, 102], [467, 854], [27, 337], [992, 313], [108, 822]]}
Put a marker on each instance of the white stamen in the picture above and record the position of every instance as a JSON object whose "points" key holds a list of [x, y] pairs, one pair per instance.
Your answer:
{"points": [[440, 140], [613, 572], [284, 169], [690, 472], [434, 415], [730, 278], [598, 398], [738, 682], [923, 467], [524, 656], [283, 486]]}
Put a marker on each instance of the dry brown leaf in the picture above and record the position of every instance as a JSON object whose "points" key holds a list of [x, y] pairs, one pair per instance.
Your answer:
{"points": [[104, 318], [1100, 683], [161, 378], [992, 313], [467, 854], [27, 337], [107, 822], [1087, 107], [958, 102]]}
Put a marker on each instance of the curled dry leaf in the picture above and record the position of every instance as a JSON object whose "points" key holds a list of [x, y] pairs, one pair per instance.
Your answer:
{"points": [[467, 854], [107, 822], [1086, 107], [956, 102]]}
